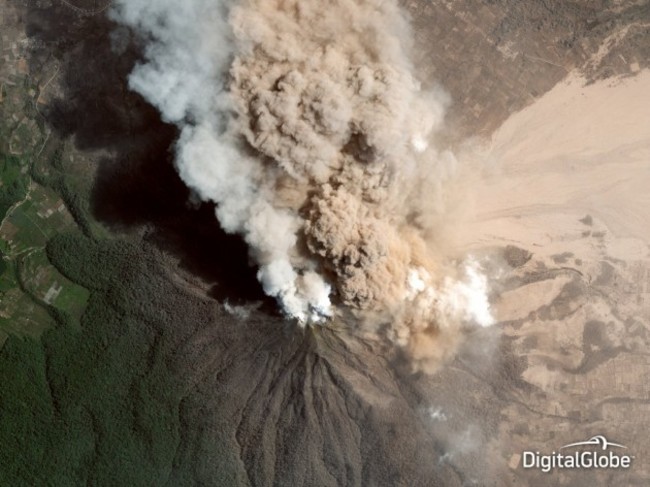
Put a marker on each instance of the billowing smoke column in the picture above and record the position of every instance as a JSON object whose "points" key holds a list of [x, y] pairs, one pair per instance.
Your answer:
{"points": [[303, 122]]}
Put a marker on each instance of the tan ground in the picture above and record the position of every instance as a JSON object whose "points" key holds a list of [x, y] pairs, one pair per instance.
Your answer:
{"points": [[568, 180], [580, 150]]}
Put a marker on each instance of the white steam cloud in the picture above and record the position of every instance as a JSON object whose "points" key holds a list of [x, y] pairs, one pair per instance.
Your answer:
{"points": [[303, 123]]}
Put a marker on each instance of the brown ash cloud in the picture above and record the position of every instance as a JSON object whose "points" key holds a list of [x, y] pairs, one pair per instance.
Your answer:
{"points": [[304, 123]]}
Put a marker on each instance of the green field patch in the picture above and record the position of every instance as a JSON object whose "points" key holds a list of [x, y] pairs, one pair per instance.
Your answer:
{"points": [[3, 264], [8, 280], [22, 316], [72, 299], [45, 283], [41, 216], [25, 232], [69, 175], [28, 287], [13, 182], [24, 137], [29, 284]]}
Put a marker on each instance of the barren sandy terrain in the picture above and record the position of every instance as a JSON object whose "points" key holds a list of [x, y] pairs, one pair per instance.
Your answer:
{"points": [[580, 150], [567, 180]]}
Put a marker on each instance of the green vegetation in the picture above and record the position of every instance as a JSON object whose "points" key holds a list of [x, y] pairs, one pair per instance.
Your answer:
{"points": [[56, 169], [95, 405], [33, 292], [87, 396], [13, 183], [3, 264], [44, 283], [34, 296], [84, 397]]}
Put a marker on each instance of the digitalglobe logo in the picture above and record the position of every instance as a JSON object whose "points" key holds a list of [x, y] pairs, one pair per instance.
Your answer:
{"points": [[596, 452]]}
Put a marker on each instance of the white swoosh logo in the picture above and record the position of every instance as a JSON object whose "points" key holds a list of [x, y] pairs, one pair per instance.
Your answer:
{"points": [[595, 440]]}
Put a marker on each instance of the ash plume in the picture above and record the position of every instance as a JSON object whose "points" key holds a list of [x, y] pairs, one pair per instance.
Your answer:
{"points": [[304, 123]]}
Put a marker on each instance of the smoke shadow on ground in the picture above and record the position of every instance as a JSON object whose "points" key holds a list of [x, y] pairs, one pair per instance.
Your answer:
{"points": [[136, 186]]}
